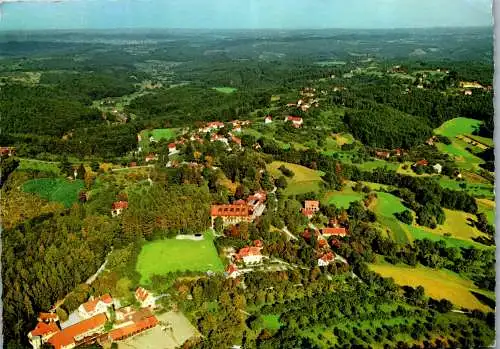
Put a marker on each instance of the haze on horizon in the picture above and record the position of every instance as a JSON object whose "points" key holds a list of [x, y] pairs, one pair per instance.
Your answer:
{"points": [[242, 14]]}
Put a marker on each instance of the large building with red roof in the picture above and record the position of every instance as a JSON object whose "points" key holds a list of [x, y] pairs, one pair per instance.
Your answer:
{"points": [[42, 333], [129, 323], [83, 332], [145, 298], [337, 231], [118, 207], [231, 214], [95, 306], [295, 120]]}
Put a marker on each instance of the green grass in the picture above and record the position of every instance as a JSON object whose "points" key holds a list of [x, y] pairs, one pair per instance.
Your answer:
{"points": [[420, 234], [370, 165], [38, 165], [438, 284], [342, 199], [158, 134], [488, 208], [386, 206], [55, 189], [163, 256], [271, 322], [303, 181], [477, 190], [486, 141], [457, 126], [225, 89]]}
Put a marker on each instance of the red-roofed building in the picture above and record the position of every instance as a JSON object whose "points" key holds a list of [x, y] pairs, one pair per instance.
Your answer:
{"points": [[231, 214], [296, 121], [307, 234], [258, 243], [240, 202], [215, 125], [422, 163], [334, 231], [41, 333], [308, 213], [95, 306], [232, 271], [7, 151], [83, 332], [312, 205], [133, 328], [47, 317], [249, 255], [326, 259], [268, 119], [172, 148], [145, 297], [236, 140], [118, 207], [151, 157], [382, 154]]}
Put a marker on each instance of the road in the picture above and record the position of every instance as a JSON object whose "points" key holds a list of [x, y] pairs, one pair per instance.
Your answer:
{"points": [[131, 168], [293, 237]]}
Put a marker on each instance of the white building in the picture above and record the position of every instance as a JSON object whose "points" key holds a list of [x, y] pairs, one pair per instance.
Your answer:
{"points": [[438, 168], [95, 306], [145, 297]]}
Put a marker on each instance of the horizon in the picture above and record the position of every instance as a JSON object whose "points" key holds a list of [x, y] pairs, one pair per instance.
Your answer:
{"points": [[247, 15]]}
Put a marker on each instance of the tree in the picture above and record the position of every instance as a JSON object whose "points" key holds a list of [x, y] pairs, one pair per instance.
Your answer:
{"points": [[405, 216], [281, 182], [95, 166], [81, 172], [65, 167], [218, 224]]}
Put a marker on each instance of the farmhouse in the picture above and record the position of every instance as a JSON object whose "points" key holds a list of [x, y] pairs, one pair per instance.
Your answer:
{"points": [[145, 298], [421, 163], [296, 121], [172, 148], [250, 254], [231, 214], [118, 207], [268, 119], [42, 333], [312, 205], [338, 231], [326, 259], [95, 306], [84, 332]]}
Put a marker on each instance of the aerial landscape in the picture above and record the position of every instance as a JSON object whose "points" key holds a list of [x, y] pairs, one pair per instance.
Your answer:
{"points": [[247, 188]]}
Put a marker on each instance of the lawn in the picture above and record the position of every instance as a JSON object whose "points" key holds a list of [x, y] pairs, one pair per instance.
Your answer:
{"points": [[417, 233], [370, 165], [55, 189], [477, 190], [342, 198], [164, 256], [488, 207], [39, 165], [457, 126], [158, 134], [438, 284], [271, 322], [386, 206], [303, 181], [225, 89]]}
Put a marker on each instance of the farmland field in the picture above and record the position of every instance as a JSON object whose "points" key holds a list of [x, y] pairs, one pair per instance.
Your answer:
{"points": [[387, 205], [225, 89], [458, 126], [342, 198], [164, 256], [417, 233], [55, 189], [477, 190], [438, 284], [370, 165], [488, 208], [303, 181], [38, 165]]}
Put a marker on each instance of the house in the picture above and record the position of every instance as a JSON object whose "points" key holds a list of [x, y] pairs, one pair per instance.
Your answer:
{"points": [[307, 234], [338, 231], [145, 297], [308, 213], [421, 163], [468, 92], [431, 140], [47, 317], [295, 120], [151, 157], [138, 323], [139, 138], [382, 154], [172, 148], [95, 306], [438, 168], [398, 152], [7, 151], [215, 125], [326, 259], [232, 271], [236, 140], [249, 254], [118, 207], [268, 119], [42, 333], [231, 214], [256, 199], [312, 205], [83, 332], [216, 137]]}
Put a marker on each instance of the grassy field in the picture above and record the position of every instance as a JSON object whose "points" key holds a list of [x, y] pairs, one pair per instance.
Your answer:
{"points": [[477, 190], [342, 198], [55, 189], [271, 322], [385, 208], [161, 257], [488, 207], [438, 284], [303, 181], [457, 126], [225, 89], [38, 165], [370, 165], [158, 134], [417, 233]]}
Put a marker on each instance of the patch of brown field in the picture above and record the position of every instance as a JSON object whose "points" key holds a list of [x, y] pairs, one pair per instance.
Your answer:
{"points": [[486, 202], [228, 184], [474, 177]]}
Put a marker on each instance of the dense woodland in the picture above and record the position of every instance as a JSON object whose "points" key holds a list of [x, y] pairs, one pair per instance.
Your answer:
{"points": [[90, 101]]}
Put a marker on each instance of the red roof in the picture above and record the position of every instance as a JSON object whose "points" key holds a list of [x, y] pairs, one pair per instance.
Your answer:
{"points": [[334, 231], [230, 211], [171, 146], [249, 251], [327, 257], [43, 329], [294, 118], [141, 294], [236, 140], [232, 268], [134, 328], [307, 213], [311, 205], [67, 336], [119, 204], [269, 117], [47, 317], [90, 305], [257, 243], [422, 163]]}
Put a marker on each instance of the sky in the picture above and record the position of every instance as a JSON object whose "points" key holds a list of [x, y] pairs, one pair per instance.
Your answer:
{"points": [[242, 14]]}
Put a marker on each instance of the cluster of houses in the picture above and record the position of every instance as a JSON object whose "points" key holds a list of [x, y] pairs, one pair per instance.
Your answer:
{"points": [[424, 163], [386, 154], [246, 256], [95, 316], [307, 101], [240, 210], [7, 151]]}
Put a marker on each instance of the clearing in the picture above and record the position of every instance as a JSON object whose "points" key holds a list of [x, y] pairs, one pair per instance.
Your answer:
{"points": [[39, 165], [225, 89], [385, 208], [55, 189], [342, 198], [304, 179], [457, 126], [163, 256], [488, 207], [438, 284], [271, 322]]}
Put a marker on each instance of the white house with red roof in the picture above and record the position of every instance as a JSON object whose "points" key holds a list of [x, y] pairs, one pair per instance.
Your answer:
{"points": [[117, 207], [216, 137], [145, 298], [42, 333], [172, 149], [250, 254], [95, 306], [295, 120], [232, 271], [326, 259], [215, 125], [83, 332], [268, 119]]}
